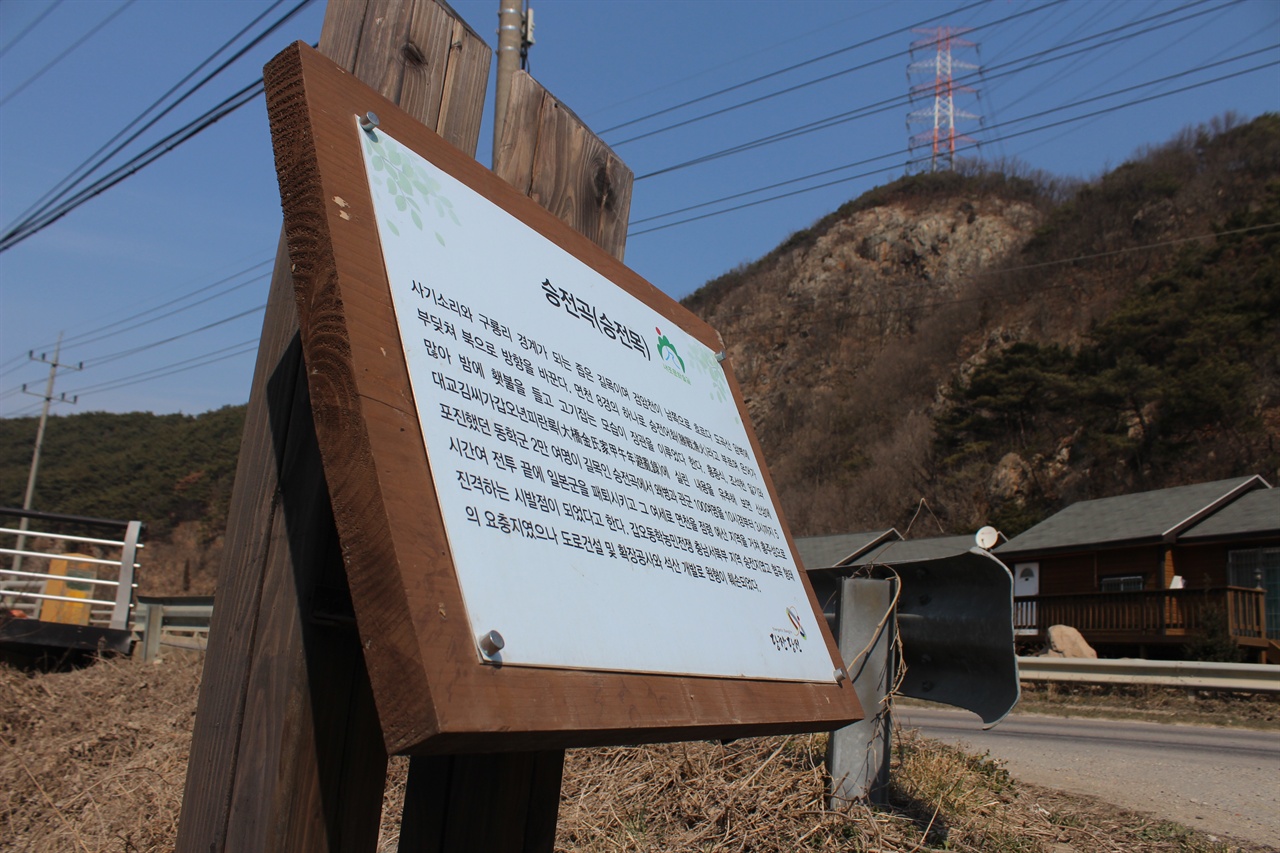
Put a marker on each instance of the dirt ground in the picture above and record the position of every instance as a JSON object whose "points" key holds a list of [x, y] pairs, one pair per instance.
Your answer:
{"points": [[94, 760]]}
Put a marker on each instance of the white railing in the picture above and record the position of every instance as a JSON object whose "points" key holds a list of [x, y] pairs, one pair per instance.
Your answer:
{"points": [[104, 578]]}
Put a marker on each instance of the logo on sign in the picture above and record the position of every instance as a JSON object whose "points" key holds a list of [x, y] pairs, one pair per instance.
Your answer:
{"points": [[794, 616], [788, 640], [667, 351]]}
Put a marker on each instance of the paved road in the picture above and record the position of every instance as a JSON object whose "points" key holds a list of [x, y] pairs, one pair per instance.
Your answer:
{"points": [[1221, 781]]}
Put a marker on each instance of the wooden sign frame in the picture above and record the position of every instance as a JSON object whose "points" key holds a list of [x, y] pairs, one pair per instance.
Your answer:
{"points": [[433, 695]]}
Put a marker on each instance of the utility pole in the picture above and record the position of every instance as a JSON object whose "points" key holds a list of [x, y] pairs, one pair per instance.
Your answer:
{"points": [[515, 35], [49, 399]]}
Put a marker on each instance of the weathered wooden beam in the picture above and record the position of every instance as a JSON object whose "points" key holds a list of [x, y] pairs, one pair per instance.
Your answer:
{"points": [[287, 753], [550, 155]]}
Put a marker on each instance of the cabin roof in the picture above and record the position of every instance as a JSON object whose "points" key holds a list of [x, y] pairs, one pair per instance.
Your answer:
{"points": [[825, 552], [1255, 513], [1144, 517], [915, 551]]}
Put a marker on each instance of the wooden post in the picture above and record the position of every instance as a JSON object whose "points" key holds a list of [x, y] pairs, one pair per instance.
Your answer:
{"points": [[287, 753]]}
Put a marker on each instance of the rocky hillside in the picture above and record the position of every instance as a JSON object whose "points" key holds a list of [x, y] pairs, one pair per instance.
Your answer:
{"points": [[943, 352], [986, 346]]}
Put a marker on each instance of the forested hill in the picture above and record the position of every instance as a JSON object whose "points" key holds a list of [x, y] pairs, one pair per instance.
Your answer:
{"points": [[946, 351], [162, 469]]}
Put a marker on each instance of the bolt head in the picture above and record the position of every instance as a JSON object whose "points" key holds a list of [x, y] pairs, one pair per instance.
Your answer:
{"points": [[491, 643]]}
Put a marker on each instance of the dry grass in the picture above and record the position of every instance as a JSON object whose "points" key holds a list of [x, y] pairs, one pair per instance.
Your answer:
{"points": [[94, 761]]}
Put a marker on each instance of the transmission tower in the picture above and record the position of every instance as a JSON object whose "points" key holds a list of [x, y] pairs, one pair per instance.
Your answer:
{"points": [[941, 114]]}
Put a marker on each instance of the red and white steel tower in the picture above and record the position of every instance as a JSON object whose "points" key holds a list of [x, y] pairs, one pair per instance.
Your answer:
{"points": [[940, 116]]}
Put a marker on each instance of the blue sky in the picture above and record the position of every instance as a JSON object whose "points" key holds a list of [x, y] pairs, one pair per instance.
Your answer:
{"points": [[186, 242]]}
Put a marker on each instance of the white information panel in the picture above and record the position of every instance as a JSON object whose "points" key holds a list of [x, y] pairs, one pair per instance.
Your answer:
{"points": [[603, 505]]}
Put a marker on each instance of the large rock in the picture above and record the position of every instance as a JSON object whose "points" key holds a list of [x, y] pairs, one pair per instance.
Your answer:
{"points": [[1063, 641]]}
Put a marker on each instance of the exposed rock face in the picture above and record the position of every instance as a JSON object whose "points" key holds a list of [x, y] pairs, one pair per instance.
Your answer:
{"points": [[942, 242], [814, 314], [1063, 641], [1012, 478]]}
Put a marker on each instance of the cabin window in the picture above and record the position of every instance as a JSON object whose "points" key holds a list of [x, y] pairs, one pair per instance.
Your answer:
{"points": [[1259, 567], [1123, 583], [1250, 566]]}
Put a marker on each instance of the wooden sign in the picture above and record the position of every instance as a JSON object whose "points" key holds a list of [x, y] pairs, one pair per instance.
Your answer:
{"points": [[555, 525]]}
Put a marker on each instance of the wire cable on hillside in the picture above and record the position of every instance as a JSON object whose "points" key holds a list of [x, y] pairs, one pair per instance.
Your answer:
{"points": [[863, 312], [1007, 136]]}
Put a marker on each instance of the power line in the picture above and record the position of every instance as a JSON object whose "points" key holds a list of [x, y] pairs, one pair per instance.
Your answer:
{"points": [[29, 27], [218, 295], [139, 162], [789, 68], [824, 78], [898, 153], [104, 331], [44, 212], [192, 363], [742, 57], [61, 56], [98, 159], [1007, 136], [1011, 67], [125, 353]]}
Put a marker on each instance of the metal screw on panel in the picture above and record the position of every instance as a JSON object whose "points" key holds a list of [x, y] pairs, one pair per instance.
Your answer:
{"points": [[491, 643], [369, 121], [841, 675], [720, 356]]}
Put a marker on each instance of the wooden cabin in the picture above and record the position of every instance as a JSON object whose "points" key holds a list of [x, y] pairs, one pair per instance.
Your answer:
{"points": [[1138, 575], [1146, 573]]}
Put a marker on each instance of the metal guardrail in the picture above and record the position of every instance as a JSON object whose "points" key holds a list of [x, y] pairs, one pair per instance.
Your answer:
{"points": [[1193, 675], [184, 623], [178, 622]]}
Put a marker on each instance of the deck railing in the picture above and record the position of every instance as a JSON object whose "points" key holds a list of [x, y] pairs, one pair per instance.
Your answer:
{"points": [[86, 579], [1150, 613]]}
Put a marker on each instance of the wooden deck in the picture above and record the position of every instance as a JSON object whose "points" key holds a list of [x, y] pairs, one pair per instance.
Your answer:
{"points": [[1150, 616]]}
